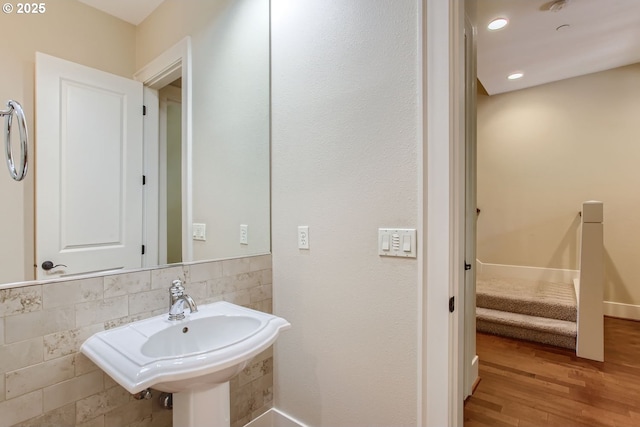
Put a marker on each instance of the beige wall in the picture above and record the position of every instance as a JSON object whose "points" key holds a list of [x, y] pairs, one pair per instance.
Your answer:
{"points": [[541, 153], [97, 40], [44, 380], [344, 162], [230, 99]]}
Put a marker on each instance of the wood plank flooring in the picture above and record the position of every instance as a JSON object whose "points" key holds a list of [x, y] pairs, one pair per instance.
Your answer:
{"points": [[525, 384]]}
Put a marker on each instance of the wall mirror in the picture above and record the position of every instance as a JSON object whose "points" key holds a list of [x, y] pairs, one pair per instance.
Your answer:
{"points": [[220, 183]]}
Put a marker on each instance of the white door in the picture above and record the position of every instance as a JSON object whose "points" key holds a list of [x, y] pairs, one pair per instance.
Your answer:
{"points": [[89, 156], [470, 371]]}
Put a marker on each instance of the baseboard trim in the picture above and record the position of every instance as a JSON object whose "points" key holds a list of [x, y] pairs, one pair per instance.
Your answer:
{"points": [[471, 383], [475, 385], [475, 367], [475, 373], [275, 418], [620, 310]]}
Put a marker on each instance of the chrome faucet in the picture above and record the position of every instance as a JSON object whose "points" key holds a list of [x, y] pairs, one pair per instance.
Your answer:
{"points": [[177, 301]]}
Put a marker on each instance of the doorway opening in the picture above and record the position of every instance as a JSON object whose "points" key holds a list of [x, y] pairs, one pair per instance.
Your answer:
{"points": [[170, 171], [167, 156]]}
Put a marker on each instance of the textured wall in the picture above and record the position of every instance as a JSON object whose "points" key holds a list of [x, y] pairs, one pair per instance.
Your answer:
{"points": [[44, 380], [344, 160], [541, 153]]}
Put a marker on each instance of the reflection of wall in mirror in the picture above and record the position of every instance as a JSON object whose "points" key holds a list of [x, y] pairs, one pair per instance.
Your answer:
{"points": [[230, 101], [97, 40]]}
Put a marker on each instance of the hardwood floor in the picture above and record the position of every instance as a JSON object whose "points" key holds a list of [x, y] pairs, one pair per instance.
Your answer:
{"points": [[525, 384]]}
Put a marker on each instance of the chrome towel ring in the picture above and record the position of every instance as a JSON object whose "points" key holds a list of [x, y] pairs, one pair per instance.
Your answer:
{"points": [[19, 173]]}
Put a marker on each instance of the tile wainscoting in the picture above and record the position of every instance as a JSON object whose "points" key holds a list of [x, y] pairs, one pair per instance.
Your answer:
{"points": [[44, 380]]}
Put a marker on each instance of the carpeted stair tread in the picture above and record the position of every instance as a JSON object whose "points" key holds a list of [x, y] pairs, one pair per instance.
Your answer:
{"points": [[528, 297], [560, 327], [556, 332]]}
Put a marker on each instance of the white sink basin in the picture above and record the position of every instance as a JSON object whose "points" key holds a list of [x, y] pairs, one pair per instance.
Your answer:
{"points": [[199, 335], [206, 348]]}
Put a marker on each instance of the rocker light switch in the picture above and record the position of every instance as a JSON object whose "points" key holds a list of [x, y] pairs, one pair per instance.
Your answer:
{"points": [[406, 243], [385, 242]]}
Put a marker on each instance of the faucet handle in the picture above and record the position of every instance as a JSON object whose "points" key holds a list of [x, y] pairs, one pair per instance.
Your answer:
{"points": [[176, 288]]}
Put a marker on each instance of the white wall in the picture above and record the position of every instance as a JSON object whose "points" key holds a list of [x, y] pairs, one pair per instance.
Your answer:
{"points": [[344, 162], [230, 66], [542, 152], [69, 30]]}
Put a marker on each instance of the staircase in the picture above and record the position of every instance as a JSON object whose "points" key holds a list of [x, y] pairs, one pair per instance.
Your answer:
{"points": [[540, 311]]}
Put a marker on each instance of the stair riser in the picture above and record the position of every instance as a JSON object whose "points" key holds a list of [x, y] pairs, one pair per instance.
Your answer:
{"points": [[525, 334]]}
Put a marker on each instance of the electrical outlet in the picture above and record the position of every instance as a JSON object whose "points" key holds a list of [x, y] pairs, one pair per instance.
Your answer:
{"points": [[244, 234], [303, 237]]}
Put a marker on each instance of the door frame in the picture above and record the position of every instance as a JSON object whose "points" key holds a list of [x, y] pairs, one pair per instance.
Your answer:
{"points": [[441, 214], [172, 64]]}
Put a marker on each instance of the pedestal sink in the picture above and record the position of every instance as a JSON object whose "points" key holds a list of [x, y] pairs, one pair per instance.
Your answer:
{"points": [[193, 358]]}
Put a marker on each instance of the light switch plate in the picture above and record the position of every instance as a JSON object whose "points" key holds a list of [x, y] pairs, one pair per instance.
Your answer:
{"points": [[397, 242], [199, 231]]}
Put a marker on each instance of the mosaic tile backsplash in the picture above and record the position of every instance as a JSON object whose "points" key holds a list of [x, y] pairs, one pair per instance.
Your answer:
{"points": [[45, 381]]}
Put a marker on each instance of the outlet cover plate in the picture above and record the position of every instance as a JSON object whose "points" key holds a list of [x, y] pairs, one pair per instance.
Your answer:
{"points": [[244, 234], [303, 237]]}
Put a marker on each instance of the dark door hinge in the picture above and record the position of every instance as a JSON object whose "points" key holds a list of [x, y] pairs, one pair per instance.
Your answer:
{"points": [[143, 248], [452, 304], [144, 110], [467, 266], [144, 180]]}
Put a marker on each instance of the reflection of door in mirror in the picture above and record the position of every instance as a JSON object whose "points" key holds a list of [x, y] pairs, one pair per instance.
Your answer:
{"points": [[89, 181], [171, 173]]}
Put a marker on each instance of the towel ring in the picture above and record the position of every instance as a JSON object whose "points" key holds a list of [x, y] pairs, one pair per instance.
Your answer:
{"points": [[14, 106]]}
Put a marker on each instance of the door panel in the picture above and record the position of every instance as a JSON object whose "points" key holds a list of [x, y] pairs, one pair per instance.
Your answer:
{"points": [[89, 169], [471, 215]]}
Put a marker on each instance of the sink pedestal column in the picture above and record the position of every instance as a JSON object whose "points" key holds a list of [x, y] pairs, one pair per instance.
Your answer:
{"points": [[202, 408]]}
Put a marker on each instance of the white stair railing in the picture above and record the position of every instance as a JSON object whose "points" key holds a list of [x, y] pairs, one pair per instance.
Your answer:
{"points": [[589, 289]]}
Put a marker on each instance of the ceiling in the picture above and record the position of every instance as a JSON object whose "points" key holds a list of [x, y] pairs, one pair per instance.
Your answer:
{"points": [[602, 34], [132, 11]]}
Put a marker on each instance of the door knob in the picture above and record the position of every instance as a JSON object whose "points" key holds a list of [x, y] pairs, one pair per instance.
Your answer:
{"points": [[48, 265]]}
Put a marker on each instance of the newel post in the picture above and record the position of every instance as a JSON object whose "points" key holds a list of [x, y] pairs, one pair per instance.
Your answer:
{"points": [[590, 340]]}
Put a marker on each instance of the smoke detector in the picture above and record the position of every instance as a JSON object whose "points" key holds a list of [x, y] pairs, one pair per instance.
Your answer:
{"points": [[558, 5]]}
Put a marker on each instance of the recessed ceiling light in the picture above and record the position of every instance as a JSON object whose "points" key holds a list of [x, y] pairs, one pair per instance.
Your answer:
{"points": [[515, 76], [497, 23]]}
